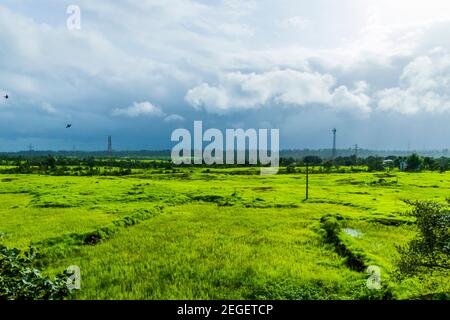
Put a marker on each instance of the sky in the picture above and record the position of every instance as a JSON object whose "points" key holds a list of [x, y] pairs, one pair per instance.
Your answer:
{"points": [[377, 70]]}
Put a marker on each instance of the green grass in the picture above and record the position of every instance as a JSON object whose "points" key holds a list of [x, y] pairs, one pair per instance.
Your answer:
{"points": [[222, 234], [199, 252]]}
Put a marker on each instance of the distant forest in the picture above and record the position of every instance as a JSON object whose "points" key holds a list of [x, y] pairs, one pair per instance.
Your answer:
{"points": [[294, 153], [125, 164]]}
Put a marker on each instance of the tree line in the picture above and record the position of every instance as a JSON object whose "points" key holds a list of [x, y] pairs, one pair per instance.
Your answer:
{"points": [[63, 165], [411, 163]]}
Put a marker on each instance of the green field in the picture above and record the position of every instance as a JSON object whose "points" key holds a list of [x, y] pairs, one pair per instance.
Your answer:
{"points": [[221, 233]]}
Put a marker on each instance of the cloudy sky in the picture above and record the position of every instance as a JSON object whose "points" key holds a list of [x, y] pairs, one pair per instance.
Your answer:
{"points": [[377, 70]]}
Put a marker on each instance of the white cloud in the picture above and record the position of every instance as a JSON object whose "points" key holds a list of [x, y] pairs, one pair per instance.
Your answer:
{"points": [[139, 109], [423, 86], [174, 118], [345, 100], [295, 22], [361, 87], [238, 91], [47, 107]]}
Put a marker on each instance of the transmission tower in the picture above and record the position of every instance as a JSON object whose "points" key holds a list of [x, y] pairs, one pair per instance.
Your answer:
{"points": [[110, 150], [334, 144]]}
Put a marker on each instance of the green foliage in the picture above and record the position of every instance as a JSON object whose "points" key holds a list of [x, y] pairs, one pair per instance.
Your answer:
{"points": [[316, 289], [19, 280], [290, 169], [328, 165], [374, 164], [414, 162], [430, 250], [443, 164], [50, 162], [331, 226], [312, 160], [430, 163]]}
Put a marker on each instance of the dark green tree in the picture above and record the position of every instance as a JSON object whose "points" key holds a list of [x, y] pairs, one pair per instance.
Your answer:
{"points": [[430, 250], [290, 169], [429, 163], [50, 162], [312, 160], [328, 165], [374, 164], [414, 162]]}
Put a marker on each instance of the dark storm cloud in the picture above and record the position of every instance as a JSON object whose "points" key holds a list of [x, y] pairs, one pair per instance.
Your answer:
{"points": [[139, 69]]}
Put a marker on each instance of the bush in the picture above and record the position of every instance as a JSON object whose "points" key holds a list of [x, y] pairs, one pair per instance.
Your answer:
{"points": [[331, 226], [290, 169], [414, 163], [19, 280], [374, 164], [430, 250]]}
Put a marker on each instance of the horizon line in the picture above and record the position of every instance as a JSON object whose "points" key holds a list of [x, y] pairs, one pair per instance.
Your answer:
{"points": [[281, 150]]}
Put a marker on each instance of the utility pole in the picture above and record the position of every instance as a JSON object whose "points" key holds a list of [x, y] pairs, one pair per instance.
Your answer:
{"points": [[334, 144], [110, 146], [307, 181]]}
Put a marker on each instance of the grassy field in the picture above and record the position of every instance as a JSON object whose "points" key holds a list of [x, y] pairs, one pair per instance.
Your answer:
{"points": [[221, 233]]}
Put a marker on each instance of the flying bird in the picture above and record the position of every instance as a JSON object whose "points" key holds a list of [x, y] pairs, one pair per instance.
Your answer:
{"points": [[68, 126], [6, 97]]}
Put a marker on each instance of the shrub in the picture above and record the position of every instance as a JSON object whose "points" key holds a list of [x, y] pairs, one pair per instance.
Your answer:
{"points": [[19, 280], [331, 226], [290, 169], [414, 162], [374, 164], [430, 250]]}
